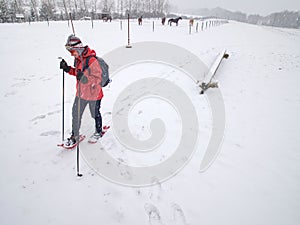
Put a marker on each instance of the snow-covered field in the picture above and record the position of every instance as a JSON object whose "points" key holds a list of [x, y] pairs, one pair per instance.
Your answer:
{"points": [[254, 180]]}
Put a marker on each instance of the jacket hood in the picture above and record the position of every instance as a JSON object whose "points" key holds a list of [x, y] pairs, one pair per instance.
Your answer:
{"points": [[88, 52]]}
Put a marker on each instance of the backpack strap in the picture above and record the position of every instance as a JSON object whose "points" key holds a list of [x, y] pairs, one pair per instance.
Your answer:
{"points": [[86, 66]]}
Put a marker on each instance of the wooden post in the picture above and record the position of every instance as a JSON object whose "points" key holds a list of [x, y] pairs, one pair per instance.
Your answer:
{"points": [[128, 45], [121, 24], [153, 26], [92, 20]]}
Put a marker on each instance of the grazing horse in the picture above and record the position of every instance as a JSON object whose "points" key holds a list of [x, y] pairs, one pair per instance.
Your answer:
{"points": [[107, 18], [140, 20], [191, 22], [170, 21], [163, 20]]}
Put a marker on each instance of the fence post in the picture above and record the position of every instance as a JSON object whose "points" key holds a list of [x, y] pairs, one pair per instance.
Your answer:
{"points": [[92, 20], [128, 45]]}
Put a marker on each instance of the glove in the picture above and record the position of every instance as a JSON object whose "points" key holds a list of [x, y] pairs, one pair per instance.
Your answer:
{"points": [[64, 66], [80, 77]]}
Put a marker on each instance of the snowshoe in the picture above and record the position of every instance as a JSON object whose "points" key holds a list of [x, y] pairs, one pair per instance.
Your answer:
{"points": [[71, 142], [96, 136]]}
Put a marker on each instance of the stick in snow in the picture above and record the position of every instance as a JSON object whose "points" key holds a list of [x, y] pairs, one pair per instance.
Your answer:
{"points": [[207, 82]]}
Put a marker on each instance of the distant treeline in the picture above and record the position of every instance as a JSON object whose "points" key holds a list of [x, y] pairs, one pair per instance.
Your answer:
{"points": [[41, 10], [287, 19]]}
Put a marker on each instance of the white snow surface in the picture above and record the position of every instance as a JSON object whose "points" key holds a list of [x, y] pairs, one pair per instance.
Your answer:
{"points": [[254, 180]]}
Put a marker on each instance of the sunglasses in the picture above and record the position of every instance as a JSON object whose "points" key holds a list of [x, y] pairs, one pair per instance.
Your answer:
{"points": [[69, 48]]}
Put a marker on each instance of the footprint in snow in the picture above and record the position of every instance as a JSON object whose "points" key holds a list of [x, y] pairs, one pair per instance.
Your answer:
{"points": [[19, 85], [38, 118], [54, 112], [10, 94], [50, 133], [155, 190], [124, 169], [153, 214], [178, 215], [45, 78]]}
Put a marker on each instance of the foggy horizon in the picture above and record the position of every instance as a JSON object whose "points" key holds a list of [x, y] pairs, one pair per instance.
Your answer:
{"points": [[262, 8]]}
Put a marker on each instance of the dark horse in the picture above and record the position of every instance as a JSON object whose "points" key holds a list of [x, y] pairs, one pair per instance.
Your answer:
{"points": [[107, 18], [163, 20], [170, 21], [140, 20]]}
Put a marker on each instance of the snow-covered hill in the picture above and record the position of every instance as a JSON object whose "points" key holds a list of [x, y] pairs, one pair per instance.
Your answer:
{"points": [[254, 180]]}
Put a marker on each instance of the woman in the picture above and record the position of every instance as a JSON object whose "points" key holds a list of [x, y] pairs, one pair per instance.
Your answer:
{"points": [[89, 91]]}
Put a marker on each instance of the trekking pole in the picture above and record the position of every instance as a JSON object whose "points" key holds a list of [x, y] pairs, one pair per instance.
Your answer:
{"points": [[70, 15], [78, 138], [63, 107], [63, 104], [78, 122]]}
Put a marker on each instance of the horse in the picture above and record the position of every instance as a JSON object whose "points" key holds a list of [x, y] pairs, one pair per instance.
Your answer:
{"points": [[140, 20], [170, 21], [191, 22], [163, 20], [107, 18]]}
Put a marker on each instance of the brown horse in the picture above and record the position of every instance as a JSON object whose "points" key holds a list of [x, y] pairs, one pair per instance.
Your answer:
{"points": [[163, 20], [140, 20], [107, 18], [191, 22]]}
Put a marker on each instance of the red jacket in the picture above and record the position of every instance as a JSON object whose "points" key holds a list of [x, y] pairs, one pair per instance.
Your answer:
{"points": [[92, 90]]}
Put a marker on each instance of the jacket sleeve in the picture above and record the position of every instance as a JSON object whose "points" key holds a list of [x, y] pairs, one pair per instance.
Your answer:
{"points": [[72, 71]]}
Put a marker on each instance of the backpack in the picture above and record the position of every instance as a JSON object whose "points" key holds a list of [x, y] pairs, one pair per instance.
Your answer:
{"points": [[104, 67]]}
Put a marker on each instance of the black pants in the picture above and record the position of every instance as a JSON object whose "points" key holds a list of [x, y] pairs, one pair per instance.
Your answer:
{"points": [[78, 107]]}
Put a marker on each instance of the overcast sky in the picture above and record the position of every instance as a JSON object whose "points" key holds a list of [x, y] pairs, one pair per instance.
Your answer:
{"points": [[262, 7]]}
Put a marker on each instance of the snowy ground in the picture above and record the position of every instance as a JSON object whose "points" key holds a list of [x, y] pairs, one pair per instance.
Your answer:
{"points": [[254, 180]]}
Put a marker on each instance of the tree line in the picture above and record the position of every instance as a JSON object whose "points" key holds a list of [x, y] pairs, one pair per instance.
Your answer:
{"points": [[287, 19], [40, 10]]}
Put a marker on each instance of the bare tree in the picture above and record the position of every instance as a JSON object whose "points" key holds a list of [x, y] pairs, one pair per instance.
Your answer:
{"points": [[94, 5], [129, 5], [122, 7], [84, 6], [66, 11], [160, 6], [35, 8], [167, 7], [110, 5], [105, 6], [3, 11], [76, 6]]}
